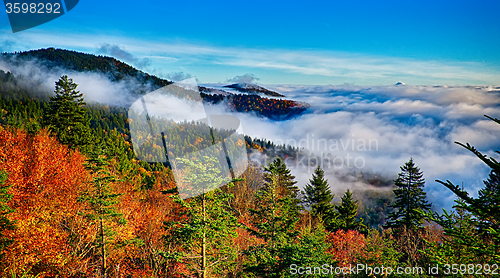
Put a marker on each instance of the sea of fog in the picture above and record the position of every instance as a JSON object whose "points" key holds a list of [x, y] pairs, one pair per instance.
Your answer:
{"points": [[376, 129]]}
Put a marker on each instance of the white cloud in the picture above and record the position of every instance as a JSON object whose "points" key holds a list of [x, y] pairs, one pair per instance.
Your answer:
{"points": [[94, 86], [120, 53], [243, 79], [178, 76]]}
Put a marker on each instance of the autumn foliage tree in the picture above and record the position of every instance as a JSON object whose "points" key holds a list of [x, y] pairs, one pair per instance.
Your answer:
{"points": [[346, 246], [44, 179]]}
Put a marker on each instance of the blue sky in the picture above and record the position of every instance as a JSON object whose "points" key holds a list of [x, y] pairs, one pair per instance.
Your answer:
{"points": [[285, 42]]}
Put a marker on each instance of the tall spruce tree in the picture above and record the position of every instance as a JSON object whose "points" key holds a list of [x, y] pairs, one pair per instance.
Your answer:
{"points": [[206, 226], [348, 209], [274, 221], [102, 201], [317, 196], [410, 198], [66, 115], [286, 181]]}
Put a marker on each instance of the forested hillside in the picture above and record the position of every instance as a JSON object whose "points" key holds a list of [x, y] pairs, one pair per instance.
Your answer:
{"points": [[76, 202], [77, 61], [276, 109]]}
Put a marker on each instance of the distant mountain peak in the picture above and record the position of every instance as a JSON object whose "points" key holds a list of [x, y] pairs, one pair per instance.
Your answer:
{"points": [[399, 83]]}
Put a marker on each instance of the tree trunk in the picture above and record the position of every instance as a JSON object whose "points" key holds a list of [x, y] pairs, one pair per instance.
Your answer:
{"points": [[204, 244], [103, 250]]}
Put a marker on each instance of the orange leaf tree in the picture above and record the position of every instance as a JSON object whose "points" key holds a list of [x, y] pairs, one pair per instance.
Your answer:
{"points": [[45, 179], [346, 247]]}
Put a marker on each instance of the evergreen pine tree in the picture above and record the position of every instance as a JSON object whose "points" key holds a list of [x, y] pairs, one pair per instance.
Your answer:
{"points": [[318, 197], [317, 194], [274, 220], [286, 183], [310, 249], [489, 197], [102, 201], [410, 198], [206, 226], [348, 209], [461, 242], [484, 210], [66, 114]]}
